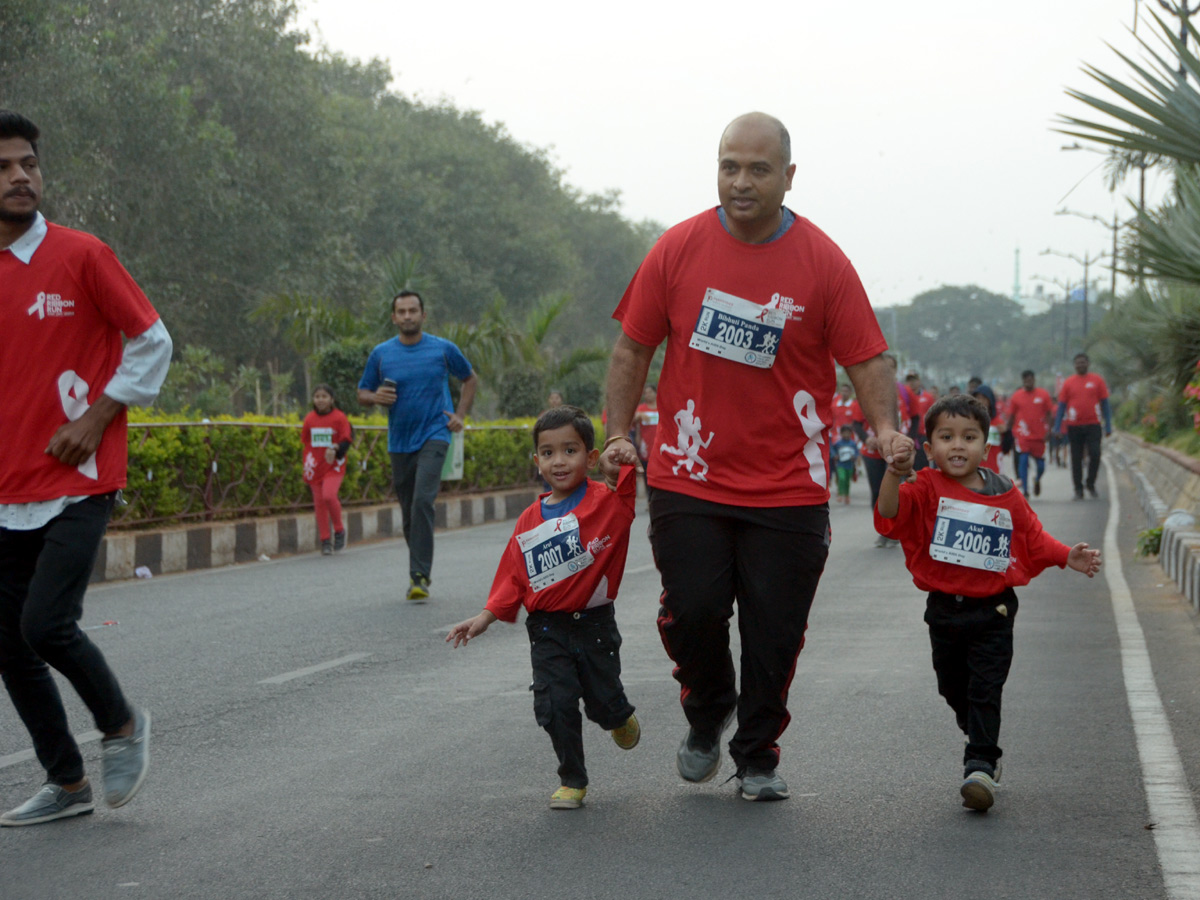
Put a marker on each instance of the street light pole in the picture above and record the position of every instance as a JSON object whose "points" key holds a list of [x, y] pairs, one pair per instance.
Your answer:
{"points": [[1114, 227], [1086, 261]]}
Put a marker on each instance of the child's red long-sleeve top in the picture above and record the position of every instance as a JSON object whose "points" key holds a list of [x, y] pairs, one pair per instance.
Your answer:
{"points": [[569, 563], [960, 541]]}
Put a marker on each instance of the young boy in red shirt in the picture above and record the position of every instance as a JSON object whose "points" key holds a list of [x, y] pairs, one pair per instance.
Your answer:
{"points": [[969, 537], [564, 564]]}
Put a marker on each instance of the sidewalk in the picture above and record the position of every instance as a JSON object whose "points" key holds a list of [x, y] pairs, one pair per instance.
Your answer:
{"points": [[213, 544]]}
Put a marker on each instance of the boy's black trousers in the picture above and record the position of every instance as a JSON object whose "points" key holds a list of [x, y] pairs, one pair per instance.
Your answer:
{"points": [[576, 655], [972, 641]]}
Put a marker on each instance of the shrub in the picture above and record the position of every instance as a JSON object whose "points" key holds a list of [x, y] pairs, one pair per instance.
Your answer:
{"points": [[229, 468]]}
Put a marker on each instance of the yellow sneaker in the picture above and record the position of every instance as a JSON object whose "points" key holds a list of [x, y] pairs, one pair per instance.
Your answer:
{"points": [[627, 736], [418, 589], [567, 798]]}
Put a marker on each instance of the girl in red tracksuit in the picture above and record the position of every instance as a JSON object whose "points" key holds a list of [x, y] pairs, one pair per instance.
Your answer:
{"points": [[327, 435], [969, 537]]}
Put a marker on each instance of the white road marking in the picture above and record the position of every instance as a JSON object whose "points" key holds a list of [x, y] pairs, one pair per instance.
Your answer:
{"points": [[319, 667], [1176, 829], [25, 755]]}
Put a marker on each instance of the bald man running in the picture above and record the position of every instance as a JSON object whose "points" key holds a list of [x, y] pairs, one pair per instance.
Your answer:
{"points": [[758, 304]]}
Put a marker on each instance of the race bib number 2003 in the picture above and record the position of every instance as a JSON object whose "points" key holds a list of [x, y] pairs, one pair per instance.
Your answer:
{"points": [[972, 535], [738, 330], [553, 551]]}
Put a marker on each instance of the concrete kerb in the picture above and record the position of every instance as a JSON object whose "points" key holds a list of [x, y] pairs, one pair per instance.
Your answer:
{"points": [[212, 544], [1179, 546]]}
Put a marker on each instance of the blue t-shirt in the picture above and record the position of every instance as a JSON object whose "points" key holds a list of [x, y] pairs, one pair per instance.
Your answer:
{"points": [[845, 452], [423, 403]]}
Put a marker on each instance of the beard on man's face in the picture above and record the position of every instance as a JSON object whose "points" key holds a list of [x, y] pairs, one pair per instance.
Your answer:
{"points": [[14, 218]]}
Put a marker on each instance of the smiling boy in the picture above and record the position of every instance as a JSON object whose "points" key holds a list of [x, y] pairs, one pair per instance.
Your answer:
{"points": [[564, 564], [969, 537]]}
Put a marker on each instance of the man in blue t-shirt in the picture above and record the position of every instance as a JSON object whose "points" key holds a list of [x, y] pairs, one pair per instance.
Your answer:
{"points": [[409, 375]]}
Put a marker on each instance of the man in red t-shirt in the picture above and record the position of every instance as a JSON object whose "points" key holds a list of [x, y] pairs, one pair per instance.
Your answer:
{"points": [[1030, 411], [922, 399], [65, 302], [1082, 400], [756, 305]]}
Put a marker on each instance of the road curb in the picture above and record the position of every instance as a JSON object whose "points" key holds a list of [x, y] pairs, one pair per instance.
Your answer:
{"points": [[212, 544]]}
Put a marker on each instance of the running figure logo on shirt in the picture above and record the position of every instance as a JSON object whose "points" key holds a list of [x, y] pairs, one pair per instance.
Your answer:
{"points": [[689, 443]]}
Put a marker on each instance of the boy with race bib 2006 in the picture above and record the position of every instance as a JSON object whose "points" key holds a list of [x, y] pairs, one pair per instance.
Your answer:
{"points": [[564, 564], [969, 537]]}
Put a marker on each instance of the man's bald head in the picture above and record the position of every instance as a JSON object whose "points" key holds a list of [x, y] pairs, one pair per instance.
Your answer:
{"points": [[759, 122]]}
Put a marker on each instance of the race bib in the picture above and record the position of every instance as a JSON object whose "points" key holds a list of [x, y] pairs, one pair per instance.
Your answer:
{"points": [[650, 417], [322, 437], [738, 330], [553, 551], [971, 535]]}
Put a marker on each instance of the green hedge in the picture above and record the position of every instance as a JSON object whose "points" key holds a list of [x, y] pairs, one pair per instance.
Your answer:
{"points": [[231, 467]]}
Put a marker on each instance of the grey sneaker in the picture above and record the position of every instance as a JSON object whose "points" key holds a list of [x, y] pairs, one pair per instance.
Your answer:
{"points": [[762, 784], [126, 761], [327, 548], [699, 758], [339, 541], [50, 803], [978, 791]]}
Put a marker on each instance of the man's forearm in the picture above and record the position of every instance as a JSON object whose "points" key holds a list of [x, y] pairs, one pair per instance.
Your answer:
{"points": [[466, 399], [626, 378], [876, 392]]}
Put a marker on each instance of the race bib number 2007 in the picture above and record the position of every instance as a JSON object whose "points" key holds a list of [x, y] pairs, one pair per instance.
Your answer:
{"points": [[972, 535], [553, 551], [738, 330]]}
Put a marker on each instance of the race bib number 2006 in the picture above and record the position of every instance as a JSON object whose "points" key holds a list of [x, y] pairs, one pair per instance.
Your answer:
{"points": [[738, 330], [972, 535], [553, 551]]}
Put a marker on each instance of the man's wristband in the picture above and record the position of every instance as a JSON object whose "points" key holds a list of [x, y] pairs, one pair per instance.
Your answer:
{"points": [[617, 437]]}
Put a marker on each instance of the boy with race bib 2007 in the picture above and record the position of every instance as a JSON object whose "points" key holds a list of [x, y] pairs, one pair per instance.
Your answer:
{"points": [[969, 537], [564, 564]]}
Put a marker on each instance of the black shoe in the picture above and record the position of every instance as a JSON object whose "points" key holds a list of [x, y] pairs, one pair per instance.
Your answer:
{"points": [[1079, 495], [339, 540], [1037, 487], [1092, 492], [327, 548]]}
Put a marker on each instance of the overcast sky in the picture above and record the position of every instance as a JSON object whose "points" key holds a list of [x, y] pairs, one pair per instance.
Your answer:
{"points": [[921, 130]]}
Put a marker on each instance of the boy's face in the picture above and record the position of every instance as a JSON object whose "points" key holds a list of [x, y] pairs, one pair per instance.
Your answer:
{"points": [[563, 460], [957, 446]]}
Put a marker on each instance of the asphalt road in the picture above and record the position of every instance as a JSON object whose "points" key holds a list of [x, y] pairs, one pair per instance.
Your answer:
{"points": [[315, 738]]}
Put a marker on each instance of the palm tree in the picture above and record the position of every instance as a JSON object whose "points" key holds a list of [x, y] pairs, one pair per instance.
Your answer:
{"points": [[307, 324], [1159, 119]]}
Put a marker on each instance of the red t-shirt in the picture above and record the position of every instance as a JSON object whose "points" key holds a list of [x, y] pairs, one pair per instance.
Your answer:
{"points": [[920, 406], [985, 543], [1082, 395], [735, 427], [1031, 413], [647, 429], [61, 321], [320, 432], [569, 563]]}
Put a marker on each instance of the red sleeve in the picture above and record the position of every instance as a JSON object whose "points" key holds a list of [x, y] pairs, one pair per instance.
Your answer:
{"points": [[118, 298], [642, 311], [509, 586], [345, 432], [627, 488], [306, 430], [1042, 549], [852, 332]]}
